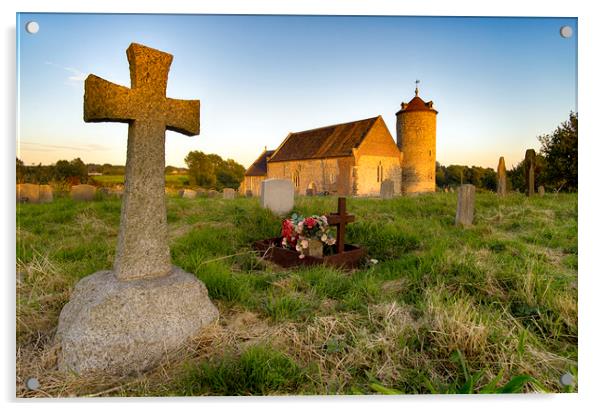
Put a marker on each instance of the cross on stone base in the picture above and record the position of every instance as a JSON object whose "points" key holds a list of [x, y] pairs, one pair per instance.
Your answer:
{"points": [[340, 219], [126, 320], [142, 247]]}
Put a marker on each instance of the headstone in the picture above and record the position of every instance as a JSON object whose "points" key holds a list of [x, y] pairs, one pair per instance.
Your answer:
{"points": [[387, 189], [127, 319], [212, 193], [187, 193], [541, 190], [309, 192], [501, 177], [83, 192], [465, 208], [278, 195], [249, 193], [28, 193], [530, 171], [46, 195], [229, 193], [201, 192]]}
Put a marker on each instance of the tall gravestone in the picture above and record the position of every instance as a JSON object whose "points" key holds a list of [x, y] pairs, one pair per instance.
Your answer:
{"points": [[278, 195], [387, 189], [530, 171], [501, 177], [127, 319], [465, 207]]}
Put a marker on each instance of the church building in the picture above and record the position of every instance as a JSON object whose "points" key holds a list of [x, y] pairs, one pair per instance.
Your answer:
{"points": [[353, 159]]}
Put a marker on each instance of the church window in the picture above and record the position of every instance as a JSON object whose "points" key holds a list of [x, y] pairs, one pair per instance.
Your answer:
{"points": [[379, 172], [296, 178]]}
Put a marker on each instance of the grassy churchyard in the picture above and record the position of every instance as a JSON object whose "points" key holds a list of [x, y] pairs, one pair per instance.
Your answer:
{"points": [[439, 309]]}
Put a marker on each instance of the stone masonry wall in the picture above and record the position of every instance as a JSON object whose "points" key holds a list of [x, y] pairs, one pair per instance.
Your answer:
{"points": [[331, 174], [416, 137], [252, 183], [377, 150]]}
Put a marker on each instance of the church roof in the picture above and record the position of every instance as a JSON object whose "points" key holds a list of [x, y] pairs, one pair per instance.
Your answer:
{"points": [[332, 141], [259, 166]]}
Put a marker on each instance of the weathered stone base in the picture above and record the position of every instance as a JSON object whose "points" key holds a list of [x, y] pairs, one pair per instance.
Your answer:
{"points": [[123, 326]]}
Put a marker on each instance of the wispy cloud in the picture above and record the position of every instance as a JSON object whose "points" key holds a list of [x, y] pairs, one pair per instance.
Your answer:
{"points": [[52, 147], [76, 76]]}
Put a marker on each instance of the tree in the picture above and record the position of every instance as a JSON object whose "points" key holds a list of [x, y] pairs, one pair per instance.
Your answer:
{"points": [[560, 152], [212, 171], [201, 169]]}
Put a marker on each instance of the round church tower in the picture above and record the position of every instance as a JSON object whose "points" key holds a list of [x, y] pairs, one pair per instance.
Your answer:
{"points": [[417, 139]]}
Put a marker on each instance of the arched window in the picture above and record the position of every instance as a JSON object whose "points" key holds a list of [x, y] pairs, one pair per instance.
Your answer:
{"points": [[379, 172], [296, 178]]}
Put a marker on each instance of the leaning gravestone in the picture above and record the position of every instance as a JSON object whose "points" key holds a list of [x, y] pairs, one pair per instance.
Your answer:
{"points": [[530, 171], [46, 193], [501, 177], [541, 190], [229, 193], [28, 193], [125, 320], [386, 189], [186, 193], [83, 192], [277, 195], [465, 208]]}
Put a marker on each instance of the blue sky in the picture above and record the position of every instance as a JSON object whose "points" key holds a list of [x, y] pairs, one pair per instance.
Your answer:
{"points": [[497, 83]]}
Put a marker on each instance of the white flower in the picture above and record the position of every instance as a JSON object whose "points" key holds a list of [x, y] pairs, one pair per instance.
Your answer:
{"points": [[298, 247], [373, 261], [301, 256], [324, 238]]}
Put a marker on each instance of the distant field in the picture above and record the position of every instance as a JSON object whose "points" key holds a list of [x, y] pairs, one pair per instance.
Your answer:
{"points": [[444, 310], [171, 180]]}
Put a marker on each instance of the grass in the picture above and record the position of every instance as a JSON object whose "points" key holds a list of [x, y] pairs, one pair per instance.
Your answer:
{"points": [[491, 308]]}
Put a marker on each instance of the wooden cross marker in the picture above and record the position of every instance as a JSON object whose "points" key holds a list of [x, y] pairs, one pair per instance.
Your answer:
{"points": [[142, 245], [340, 219]]}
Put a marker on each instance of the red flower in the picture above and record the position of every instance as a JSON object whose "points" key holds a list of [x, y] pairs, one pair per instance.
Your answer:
{"points": [[288, 232], [309, 223]]}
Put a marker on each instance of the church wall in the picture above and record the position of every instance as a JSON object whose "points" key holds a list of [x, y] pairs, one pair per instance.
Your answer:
{"points": [[368, 178], [252, 183], [331, 174], [377, 150]]}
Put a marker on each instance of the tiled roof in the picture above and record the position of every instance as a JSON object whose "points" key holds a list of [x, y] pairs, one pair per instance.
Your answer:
{"points": [[259, 166], [332, 141]]}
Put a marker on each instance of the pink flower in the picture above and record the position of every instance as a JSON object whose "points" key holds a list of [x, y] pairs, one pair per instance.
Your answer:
{"points": [[304, 243]]}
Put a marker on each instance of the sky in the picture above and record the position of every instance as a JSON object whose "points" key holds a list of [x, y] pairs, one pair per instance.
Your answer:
{"points": [[497, 83]]}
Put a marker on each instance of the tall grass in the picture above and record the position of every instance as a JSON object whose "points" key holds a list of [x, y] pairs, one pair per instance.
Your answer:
{"points": [[444, 309]]}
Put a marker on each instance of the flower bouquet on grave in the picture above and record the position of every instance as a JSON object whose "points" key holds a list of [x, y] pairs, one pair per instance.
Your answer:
{"points": [[307, 235]]}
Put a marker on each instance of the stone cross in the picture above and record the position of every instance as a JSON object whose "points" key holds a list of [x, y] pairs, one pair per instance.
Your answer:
{"points": [[501, 177], [340, 220], [530, 171], [142, 245]]}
